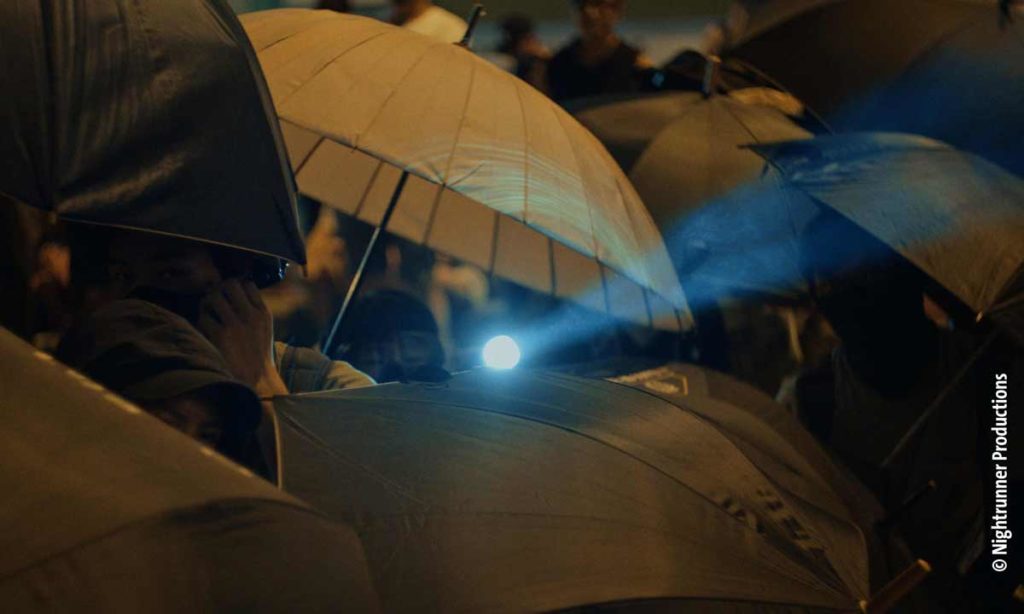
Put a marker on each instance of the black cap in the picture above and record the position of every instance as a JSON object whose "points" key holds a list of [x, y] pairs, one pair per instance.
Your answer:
{"points": [[147, 354]]}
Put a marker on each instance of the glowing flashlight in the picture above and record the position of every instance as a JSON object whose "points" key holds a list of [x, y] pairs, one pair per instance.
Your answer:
{"points": [[501, 352]]}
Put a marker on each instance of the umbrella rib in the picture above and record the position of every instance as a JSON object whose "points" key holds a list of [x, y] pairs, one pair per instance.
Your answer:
{"points": [[767, 539], [807, 525], [526, 154], [369, 186], [790, 573], [158, 517], [579, 173], [462, 116], [306, 158], [323, 445], [742, 124], [391, 94], [328, 64]]}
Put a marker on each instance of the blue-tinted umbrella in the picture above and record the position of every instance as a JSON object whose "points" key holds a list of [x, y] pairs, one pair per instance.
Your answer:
{"points": [[955, 216], [952, 70]]}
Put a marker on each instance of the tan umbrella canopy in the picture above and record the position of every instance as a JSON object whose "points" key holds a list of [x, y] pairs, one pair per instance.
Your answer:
{"points": [[480, 165], [144, 115]]}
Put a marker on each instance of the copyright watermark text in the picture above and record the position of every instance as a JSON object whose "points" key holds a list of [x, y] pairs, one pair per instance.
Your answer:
{"points": [[999, 530]]}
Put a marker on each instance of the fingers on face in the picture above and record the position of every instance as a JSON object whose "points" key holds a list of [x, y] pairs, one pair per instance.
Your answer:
{"points": [[252, 293], [236, 296], [217, 305]]}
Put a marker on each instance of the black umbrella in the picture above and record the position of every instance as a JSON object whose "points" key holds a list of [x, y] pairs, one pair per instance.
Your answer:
{"points": [[526, 491], [718, 207], [626, 124], [145, 115], [106, 509], [955, 216], [949, 69]]}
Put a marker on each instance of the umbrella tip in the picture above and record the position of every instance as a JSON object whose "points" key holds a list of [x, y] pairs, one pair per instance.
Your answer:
{"points": [[710, 82], [474, 19]]}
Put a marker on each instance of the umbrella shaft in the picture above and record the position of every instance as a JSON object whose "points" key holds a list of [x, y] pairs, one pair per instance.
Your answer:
{"points": [[357, 279]]}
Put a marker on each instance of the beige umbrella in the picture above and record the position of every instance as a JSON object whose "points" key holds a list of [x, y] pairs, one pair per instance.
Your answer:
{"points": [[448, 151]]}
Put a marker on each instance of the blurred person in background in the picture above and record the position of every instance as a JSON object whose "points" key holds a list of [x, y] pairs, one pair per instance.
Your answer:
{"points": [[392, 336], [338, 6], [891, 366], [724, 32], [520, 43], [597, 61], [426, 18], [459, 298]]}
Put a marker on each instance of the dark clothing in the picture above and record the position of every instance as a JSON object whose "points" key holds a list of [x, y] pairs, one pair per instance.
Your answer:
{"points": [[569, 77], [863, 425], [149, 355]]}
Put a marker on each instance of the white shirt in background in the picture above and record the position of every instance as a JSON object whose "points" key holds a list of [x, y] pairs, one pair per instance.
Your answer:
{"points": [[438, 23]]}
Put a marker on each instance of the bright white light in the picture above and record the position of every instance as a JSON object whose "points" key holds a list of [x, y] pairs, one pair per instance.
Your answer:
{"points": [[502, 352]]}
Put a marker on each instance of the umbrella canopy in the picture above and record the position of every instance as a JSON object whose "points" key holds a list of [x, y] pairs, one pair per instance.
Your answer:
{"points": [[764, 431], [151, 116], [949, 69], [479, 165], [107, 509], [526, 491], [953, 215], [626, 125], [723, 218]]}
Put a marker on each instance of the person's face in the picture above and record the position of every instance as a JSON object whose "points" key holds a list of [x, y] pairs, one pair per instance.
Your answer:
{"points": [[388, 359], [193, 417], [179, 266], [598, 18]]}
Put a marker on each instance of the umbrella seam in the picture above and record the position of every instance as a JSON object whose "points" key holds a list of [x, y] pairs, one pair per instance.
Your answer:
{"points": [[328, 63], [384, 103], [712, 426], [321, 444], [161, 516], [556, 111], [682, 535], [767, 539], [526, 155]]}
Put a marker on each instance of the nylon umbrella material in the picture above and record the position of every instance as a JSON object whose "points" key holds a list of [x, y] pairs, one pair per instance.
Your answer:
{"points": [[107, 509], [627, 125], [151, 116], [477, 164], [766, 432], [955, 216], [527, 491], [952, 70], [722, 214]]}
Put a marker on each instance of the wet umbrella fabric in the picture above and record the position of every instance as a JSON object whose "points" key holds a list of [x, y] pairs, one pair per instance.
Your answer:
{"points": [[107, 509], [525, 491], [952, 70], [955, 216], [723, 217], [479, 165], [151, 116]]}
